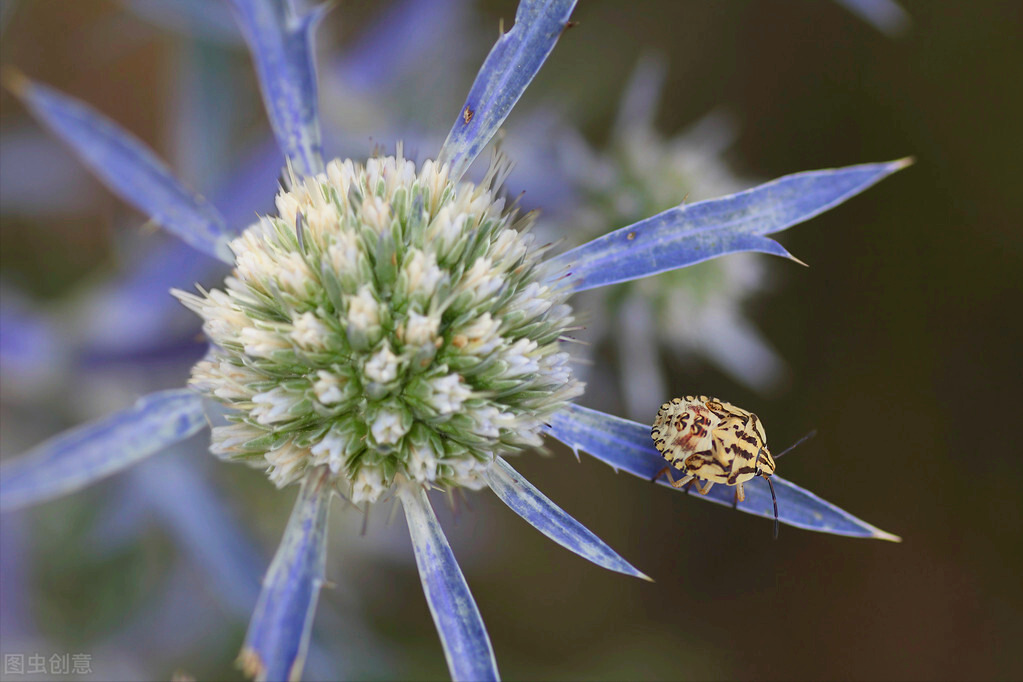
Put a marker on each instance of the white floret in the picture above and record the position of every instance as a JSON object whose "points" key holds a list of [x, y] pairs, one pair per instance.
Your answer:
{"points": [[363, 310], [272, 407], [423, 273], [330, 450], [521, 359], [328, 387], [387, 428], [479, 337], [286, 463], [382, 367], [368, 485], [261, 342], [422, 464], [310, 333], [293, 274], [449, 392], [421, 329], [228, 440]]}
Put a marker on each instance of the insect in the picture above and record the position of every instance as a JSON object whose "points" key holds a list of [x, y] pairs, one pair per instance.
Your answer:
{"points": [[711, 441]]}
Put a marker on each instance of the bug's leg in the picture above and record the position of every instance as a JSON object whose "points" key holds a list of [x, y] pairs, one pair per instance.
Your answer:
{"points": [[683, 482], [704, 490], [689, 484], [665, 470], [740, 495]]}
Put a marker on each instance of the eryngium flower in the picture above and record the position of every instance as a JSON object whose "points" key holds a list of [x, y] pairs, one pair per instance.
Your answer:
{"points": [[387, 322], [325, 340]]}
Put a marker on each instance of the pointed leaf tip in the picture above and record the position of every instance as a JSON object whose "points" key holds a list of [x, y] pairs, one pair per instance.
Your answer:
{"points": [[693, 233], [251, 664], [128, 167], [540, 512], [904, 162], [884, 535]]}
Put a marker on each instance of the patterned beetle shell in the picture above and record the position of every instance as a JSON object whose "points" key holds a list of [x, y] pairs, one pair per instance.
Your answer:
{"points": [[711, 441]]}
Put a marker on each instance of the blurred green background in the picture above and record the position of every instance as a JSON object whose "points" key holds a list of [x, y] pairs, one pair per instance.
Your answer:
{"points": [[903, 337]]}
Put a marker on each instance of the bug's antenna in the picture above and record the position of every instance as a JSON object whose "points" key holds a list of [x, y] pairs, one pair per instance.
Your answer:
{"points": [[813, 432], [775, 500]]}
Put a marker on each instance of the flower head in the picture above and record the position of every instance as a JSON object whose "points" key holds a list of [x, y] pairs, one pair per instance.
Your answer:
{"points": [[694, 311], [387, 322]]}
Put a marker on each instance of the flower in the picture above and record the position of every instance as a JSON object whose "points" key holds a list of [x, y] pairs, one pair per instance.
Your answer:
{"points": [[392, 328], [697, 310], [386, 311]]}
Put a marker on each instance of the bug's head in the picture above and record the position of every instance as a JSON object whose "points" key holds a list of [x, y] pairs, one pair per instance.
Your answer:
{"points": [[765, 468], [765, 463]]}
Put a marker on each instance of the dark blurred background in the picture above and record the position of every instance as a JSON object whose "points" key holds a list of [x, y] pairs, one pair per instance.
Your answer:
{"points": [[903, 339]]}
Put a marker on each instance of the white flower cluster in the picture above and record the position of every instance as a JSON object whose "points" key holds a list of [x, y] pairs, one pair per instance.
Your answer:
{"points": [[386, 322], [698, 309]]}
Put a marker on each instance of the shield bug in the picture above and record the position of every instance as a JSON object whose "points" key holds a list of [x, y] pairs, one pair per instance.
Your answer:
{"points": [[710, 441]]}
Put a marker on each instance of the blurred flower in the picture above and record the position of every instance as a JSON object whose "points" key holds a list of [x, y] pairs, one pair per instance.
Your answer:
{"points": [[698, 310], [391, 328]]}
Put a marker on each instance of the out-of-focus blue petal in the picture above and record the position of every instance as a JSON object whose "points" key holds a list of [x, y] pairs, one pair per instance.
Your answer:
{"points": [[206, 106], [134, 310], [36, 178], [33, 355], [697, 232], [281, 45], [537, 171], [127, 167], [509, 68], [174, 621], [626, 445], [278, 637], [396, 41], [121, 518], [642, 98], [739, 348], [15, 569], [203, 525], [462, 633], [551, 520], [887, 16], [210, 20], [85, 454], [644, 381], [250, 186]]}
